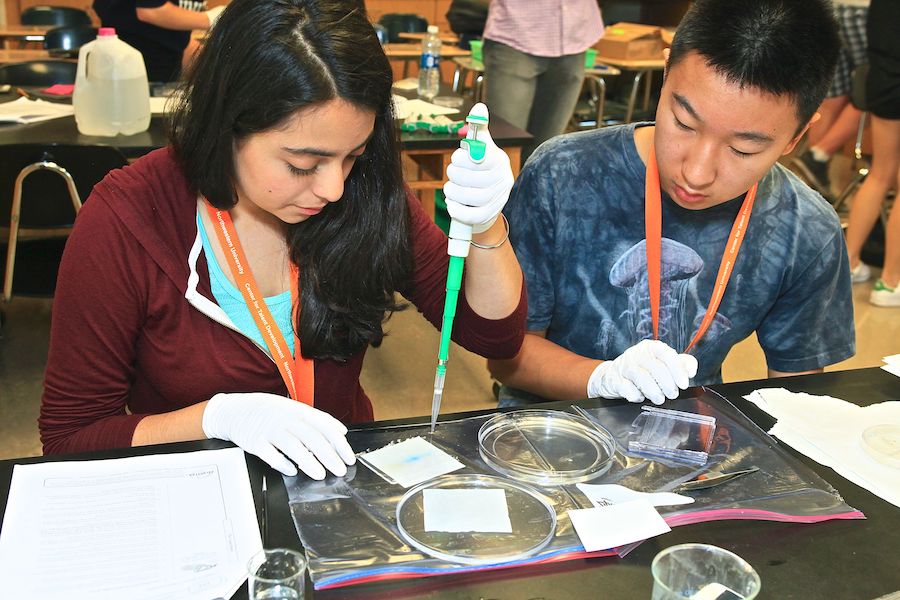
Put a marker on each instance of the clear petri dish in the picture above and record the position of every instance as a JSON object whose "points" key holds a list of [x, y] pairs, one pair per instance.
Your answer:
{"points": [[532, 519], [546, 447], [882, 442]]}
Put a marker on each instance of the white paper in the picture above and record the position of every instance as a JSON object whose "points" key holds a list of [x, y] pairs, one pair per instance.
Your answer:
{"points": [[410, 83], [162, 104], [146, 527], [24, 111], [410, 462], [416, 107], [607, 527], [607, 494], [829, 431], [893, 368], [483, 510], [893, 358]]}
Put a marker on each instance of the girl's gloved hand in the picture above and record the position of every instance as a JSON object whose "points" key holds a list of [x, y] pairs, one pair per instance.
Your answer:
{"points": [[477, 192], [650, 369], [277, 429]]}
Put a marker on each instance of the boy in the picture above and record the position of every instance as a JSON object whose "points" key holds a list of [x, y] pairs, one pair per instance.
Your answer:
{"points": [[743, 245]]}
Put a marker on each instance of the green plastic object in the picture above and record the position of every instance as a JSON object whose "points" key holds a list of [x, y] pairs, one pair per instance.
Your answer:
{"points": [[441, 216], [454, 282], [477, 149]]}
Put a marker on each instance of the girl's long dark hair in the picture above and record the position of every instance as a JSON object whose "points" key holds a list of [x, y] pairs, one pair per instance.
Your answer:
{"points": [[264, 61]]}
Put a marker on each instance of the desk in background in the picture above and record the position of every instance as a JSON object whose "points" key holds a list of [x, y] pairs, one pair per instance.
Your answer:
{"points": [[8, 56], [425, 156], [14, 35], [642, 69], [838, 560]]}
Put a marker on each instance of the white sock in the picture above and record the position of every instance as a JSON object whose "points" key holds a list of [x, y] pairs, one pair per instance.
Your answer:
{"points": [[819, 155]]}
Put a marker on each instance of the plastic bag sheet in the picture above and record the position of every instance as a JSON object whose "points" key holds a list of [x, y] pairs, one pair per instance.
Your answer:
{"points": [[348, 527]]}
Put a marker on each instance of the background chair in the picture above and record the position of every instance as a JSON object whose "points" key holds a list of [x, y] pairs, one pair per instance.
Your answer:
{"points": [[65, 41], [397, 23], [382, 33], [58, 16], [39, 73], [41, 190]]}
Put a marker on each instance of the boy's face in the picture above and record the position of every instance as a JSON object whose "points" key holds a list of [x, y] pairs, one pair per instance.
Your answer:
{"points": [[714, 139]]}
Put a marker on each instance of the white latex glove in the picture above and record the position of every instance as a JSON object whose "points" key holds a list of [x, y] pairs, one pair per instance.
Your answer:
{"points": [[477, 192], [214, 14], [650, 369], [274, 427]]}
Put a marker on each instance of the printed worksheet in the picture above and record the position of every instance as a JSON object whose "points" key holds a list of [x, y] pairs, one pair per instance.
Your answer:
{"points": [[160, 526]]}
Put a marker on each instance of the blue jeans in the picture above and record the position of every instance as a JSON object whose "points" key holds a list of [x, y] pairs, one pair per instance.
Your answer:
{"points": [[535, 93]]}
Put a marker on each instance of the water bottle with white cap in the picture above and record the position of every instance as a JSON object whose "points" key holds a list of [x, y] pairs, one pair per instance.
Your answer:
{"points": [[429, 67]]}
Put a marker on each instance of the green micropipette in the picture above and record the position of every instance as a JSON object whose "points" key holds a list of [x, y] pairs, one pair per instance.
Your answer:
{"points": [[458, 248]]}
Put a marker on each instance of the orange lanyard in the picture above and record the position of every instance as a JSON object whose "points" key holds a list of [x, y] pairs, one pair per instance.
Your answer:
{"points": [[298, 372], [653, 233]]}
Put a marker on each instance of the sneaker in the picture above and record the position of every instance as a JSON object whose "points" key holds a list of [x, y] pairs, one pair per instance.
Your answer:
{"points": [[816, 172], [882, 295], [861, 273]]}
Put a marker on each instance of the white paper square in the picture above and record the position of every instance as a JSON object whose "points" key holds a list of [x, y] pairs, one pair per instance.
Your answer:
{"points": [[411, 461], [483, 510], [892, 367], [612, 526]]}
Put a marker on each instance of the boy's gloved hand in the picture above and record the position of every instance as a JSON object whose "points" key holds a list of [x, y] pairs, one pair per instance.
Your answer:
{"points": [[650, 369], [477, 192], [274, 427]]}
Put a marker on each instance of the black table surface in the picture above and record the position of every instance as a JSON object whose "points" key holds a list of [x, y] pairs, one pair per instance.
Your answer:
{"points": [[856, 559], [64, 131]]}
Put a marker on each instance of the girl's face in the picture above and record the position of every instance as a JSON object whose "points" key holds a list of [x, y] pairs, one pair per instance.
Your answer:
{"points": [[294, 171]]}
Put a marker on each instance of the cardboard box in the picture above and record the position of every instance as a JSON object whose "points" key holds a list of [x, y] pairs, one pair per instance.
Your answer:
{"points": [[630, 41]]}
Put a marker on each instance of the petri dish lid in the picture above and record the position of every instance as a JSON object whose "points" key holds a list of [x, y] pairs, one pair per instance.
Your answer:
{"points": [[531, 516], [882, 442], [546, 447]]}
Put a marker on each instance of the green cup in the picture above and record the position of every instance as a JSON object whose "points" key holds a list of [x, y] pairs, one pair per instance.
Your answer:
{"points": [[475, 46], [590, 57]]}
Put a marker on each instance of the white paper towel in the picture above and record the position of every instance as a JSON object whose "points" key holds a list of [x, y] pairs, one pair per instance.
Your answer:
{"points": [[829, 431]]}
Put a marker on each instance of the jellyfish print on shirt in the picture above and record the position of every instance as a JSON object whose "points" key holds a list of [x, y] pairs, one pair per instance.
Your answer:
{"points": [[680, 309]]}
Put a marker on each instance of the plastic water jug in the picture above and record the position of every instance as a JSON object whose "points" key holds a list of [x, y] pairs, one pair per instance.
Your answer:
{"points": [[112, 95]]}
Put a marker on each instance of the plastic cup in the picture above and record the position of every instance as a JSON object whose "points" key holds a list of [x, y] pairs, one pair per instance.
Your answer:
{"points": [[701, 571], [277, 574], [475, 46], [590, 57]]}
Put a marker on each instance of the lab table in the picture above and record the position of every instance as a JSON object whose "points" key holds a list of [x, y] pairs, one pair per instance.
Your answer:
{"points": [[854, 559]]}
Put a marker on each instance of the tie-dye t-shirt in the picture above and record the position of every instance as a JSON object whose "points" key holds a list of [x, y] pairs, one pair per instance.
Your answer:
{"points": [[577, 224]]}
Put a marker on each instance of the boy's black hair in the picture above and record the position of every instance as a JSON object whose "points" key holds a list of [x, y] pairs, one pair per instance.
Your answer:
{"points": [[781, 47]]}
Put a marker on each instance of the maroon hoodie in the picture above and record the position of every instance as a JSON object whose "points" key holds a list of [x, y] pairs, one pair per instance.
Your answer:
{"points": [[136, 329]]}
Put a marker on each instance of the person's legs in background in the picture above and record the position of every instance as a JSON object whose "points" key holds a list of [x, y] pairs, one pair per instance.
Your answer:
{"points": [[839, 119], [510, 80], [558, 87], [868, 199], [887, 289]]}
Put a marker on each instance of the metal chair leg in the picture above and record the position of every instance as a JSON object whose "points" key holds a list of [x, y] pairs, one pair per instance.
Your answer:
{"points": [[632, 98], [16, 212]]}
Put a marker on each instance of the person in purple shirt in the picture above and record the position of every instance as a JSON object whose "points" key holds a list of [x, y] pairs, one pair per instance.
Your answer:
{"points": [[742, 85], [534, 61]]}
